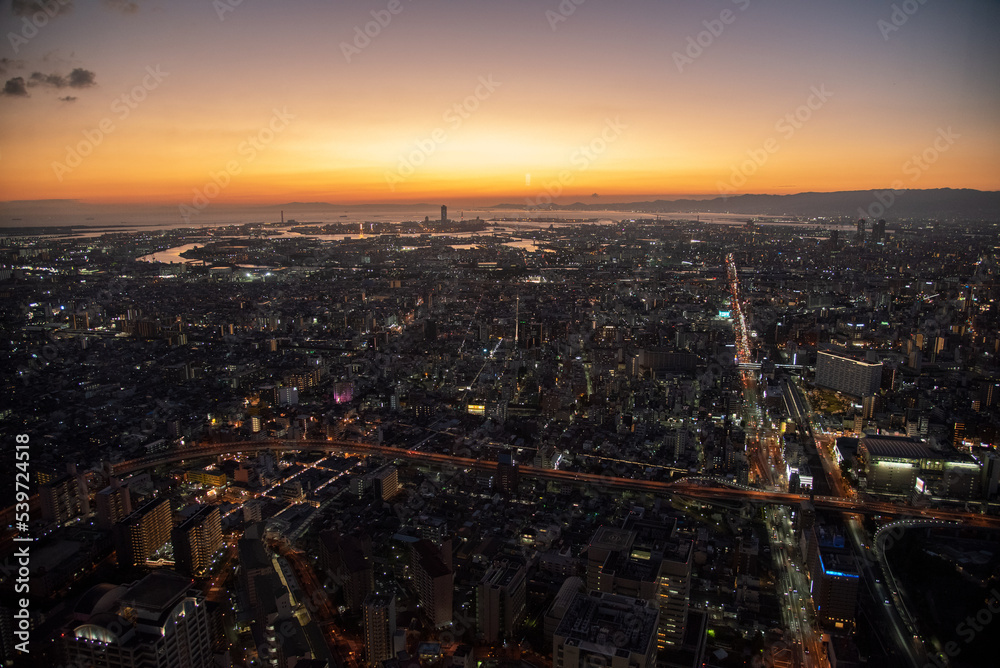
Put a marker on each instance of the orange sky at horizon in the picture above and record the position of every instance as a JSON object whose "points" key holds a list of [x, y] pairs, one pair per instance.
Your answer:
{"points": [[772, 106]]}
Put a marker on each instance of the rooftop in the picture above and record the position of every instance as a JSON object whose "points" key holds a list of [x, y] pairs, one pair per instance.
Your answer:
{"points": [[609, 624], [901, 447]]}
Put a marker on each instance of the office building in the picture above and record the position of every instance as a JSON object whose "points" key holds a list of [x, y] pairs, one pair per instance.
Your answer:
{"points": [[835, 589], [196, 540], [143, 532], [835, 577]]}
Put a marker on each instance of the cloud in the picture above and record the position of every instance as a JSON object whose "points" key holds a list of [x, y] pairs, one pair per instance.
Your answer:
{"points": [[39, 79], [48, 7], [68, 98], [78, 78], [15, 87], [123, 6], [9, 63], [81, 78]]}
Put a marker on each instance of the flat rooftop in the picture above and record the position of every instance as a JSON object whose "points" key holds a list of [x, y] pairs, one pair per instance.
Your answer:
{"points": [[901, 447], [609, 624]]}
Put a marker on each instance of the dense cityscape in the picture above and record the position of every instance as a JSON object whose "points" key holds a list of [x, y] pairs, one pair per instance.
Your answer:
{"points": [[503, 442], [522, 334]]}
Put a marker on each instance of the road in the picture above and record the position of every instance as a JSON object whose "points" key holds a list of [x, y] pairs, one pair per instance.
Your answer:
{"points": [[766, 451], [696, 489]]}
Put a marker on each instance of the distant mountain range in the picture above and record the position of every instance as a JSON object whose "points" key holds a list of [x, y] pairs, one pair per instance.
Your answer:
{"points": [[933, 203], [936, 204]]}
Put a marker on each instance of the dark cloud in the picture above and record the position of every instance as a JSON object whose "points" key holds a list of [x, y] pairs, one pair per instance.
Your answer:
{"points": [[10, 64], [78, 78], [68, 98], [123, 6], [54, 80], [48, 7], [81, 78], [15, 87]]}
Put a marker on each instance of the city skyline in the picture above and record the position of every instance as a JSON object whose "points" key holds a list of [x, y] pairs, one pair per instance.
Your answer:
{"points": [[243, 104]]}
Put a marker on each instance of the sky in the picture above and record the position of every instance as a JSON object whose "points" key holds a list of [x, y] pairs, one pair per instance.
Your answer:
{"points": [[194, 102]]}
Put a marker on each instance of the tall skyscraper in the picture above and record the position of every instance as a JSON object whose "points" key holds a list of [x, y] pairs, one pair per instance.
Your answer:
{"points": [[157, 622], [379, 624], [196, 539], [444, 213], [143, 532]]}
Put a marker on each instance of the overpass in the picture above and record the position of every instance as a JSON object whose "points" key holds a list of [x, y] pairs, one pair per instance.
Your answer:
{"points": [[704, 487]]}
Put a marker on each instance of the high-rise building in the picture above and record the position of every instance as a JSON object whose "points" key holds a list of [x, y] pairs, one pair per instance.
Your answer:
{"points": [[835, 591], [143, 532], [500, 601], [840, 371], [114, 503], [444, 214], [834, 575], [196, 540], [347, 560], [601, 629], [385, 482], [61, 499], [878, 232], [645, 560], [435, 582], [379, 623], [507, 477], [253, 562], [157, 622]]}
